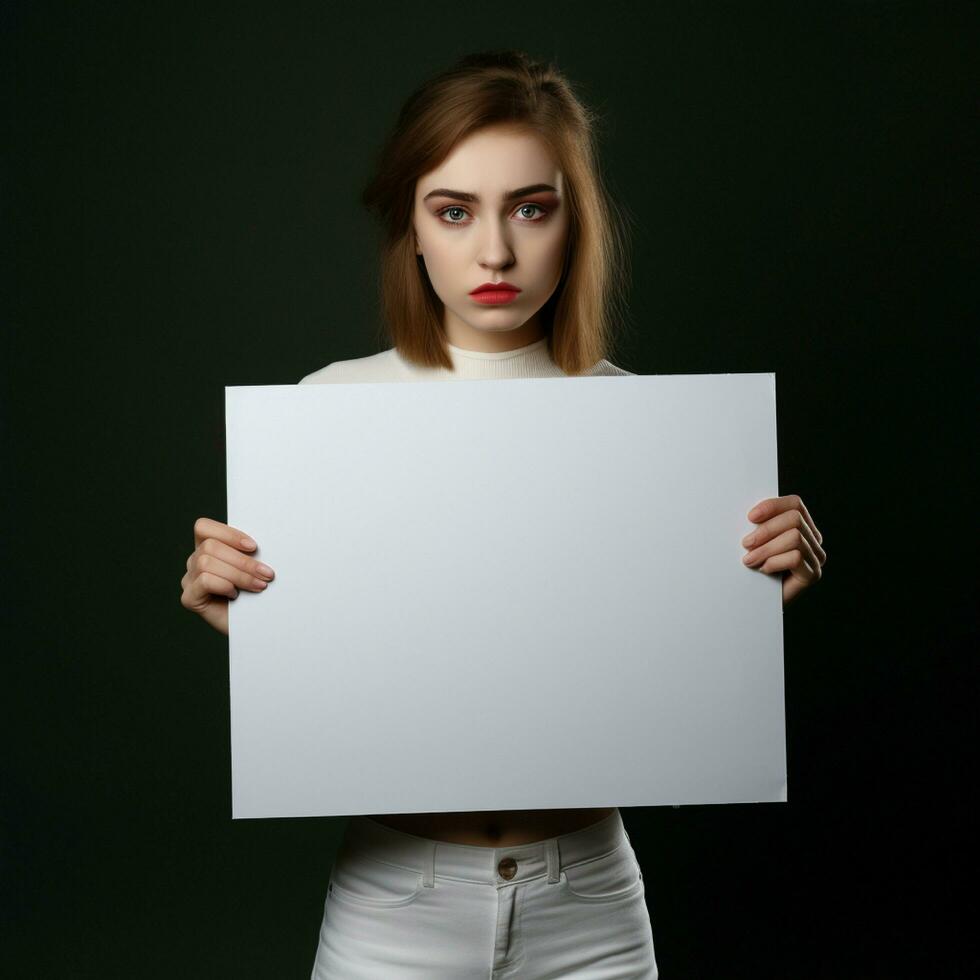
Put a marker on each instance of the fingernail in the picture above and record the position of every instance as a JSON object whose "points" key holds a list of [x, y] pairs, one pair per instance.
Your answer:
{"points": [[265, 570], [248, 543], [754, 513], [748, 539]]}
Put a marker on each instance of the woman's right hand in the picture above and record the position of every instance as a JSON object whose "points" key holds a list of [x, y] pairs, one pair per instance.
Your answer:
{"points": [[219, 563]]}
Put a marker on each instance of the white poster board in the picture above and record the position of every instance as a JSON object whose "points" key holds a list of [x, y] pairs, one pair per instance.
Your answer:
{"points": [[504, 594]]}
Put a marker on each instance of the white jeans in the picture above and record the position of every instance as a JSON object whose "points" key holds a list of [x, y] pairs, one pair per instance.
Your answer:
{"points": [[401, 907]]}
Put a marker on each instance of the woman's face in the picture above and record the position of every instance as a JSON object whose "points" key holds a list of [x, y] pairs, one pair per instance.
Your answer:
{"points": [[491, 212]]}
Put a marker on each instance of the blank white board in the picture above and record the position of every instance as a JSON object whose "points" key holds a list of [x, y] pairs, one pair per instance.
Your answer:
{"points": [[504, 594]]}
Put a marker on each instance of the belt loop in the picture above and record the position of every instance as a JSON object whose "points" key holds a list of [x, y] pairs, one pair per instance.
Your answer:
{"points": [[429, 870], [551, 854]]}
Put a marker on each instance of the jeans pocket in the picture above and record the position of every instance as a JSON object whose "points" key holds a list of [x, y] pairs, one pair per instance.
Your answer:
{"points": [[613, 877], [360, 880]]}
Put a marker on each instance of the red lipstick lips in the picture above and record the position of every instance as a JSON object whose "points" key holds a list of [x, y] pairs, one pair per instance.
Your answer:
{"points": [[495, 293]]}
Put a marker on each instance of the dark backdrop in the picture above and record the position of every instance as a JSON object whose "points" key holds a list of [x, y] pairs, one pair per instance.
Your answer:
{"points": [[180, 213]]}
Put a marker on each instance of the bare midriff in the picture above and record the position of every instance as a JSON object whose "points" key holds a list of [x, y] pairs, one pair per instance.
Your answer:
{"points": [[493, 828]]}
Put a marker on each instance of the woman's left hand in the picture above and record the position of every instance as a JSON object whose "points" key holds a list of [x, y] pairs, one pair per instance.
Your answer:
{"points": [[786, 540]]}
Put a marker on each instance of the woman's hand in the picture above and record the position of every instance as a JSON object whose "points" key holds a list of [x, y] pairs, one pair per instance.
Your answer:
{"points": [[218, 563], [786, 540]]}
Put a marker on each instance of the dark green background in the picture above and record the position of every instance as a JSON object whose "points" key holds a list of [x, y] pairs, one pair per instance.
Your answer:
{"points": [[180, 213]]}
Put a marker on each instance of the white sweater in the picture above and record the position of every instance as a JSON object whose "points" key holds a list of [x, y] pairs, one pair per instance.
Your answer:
{"points": [[532, 361]]}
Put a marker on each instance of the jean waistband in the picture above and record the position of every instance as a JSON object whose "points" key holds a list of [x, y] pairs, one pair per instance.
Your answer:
{"points": [[490, 865]]}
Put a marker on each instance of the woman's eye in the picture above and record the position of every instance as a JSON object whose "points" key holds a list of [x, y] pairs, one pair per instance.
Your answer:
{"points": [[454, 215]]}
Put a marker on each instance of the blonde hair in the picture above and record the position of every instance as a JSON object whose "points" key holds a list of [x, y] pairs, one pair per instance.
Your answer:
{"points": [[480, 90]]}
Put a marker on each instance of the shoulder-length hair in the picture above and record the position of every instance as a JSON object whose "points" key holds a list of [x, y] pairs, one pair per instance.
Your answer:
{"points": [[480, 90]]}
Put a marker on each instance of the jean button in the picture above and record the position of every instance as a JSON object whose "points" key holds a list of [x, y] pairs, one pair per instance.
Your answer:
{"points": [[507, 868]]}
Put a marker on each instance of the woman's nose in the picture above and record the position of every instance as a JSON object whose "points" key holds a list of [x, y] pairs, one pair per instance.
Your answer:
{"points": [[495, 250]]}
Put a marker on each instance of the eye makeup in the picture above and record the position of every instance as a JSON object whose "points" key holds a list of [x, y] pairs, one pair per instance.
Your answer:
{"points": [[542, 214]]}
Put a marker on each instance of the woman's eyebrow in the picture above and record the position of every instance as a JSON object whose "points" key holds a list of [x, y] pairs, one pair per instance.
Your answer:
{"points": [[509, 196]]}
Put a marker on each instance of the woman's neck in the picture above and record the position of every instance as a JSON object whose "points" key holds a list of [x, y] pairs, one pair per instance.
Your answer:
{"points": [[466, 337]]}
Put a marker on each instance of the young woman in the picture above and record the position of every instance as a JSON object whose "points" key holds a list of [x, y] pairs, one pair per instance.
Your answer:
{"points": [[502, 258]]}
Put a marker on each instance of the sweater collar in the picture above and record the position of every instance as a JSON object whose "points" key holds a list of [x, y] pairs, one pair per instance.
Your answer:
{"points": [[531, 361]]}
